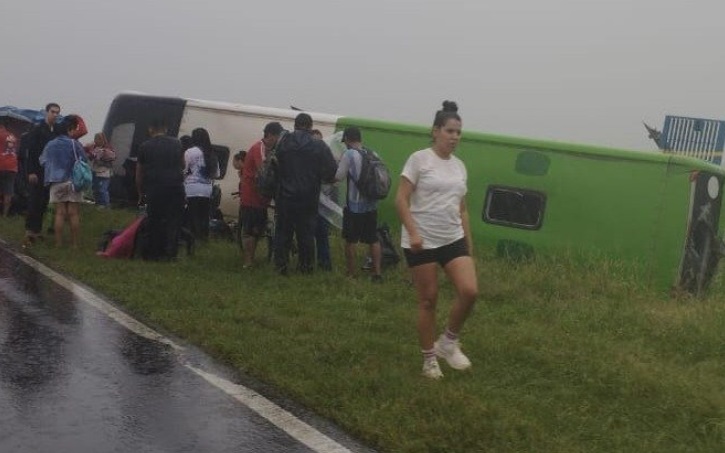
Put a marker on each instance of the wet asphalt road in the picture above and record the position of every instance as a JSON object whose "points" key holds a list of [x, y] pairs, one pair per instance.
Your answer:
{"points": [[72, 379]]}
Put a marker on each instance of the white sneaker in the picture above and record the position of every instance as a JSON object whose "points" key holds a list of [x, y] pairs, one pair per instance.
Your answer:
{"points": [[451, 351], [431, 369]]}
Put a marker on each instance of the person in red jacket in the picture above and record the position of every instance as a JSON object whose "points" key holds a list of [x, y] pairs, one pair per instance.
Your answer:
{"points": [[253, 205], [8, 170]]}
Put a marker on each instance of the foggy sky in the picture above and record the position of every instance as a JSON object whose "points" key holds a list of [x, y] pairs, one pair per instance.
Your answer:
{"points": [[587, 71]]}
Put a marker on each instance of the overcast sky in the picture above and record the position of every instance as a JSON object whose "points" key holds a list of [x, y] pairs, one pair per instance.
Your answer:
{"points": [[587, 71]]}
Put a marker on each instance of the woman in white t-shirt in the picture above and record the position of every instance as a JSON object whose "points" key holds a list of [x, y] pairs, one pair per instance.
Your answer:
{"points": [[432, 208], [199, 170]]}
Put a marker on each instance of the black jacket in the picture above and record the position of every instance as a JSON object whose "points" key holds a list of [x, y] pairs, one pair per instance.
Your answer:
{"points": [[38, 137], [304, 163]]}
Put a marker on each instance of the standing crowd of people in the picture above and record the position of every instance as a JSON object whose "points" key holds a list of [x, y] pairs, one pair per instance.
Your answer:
{"points": [[51, 150], [174, 180], [430, 202]]}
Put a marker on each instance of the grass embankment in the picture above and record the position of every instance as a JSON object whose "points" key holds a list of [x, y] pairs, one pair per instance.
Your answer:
{"points": [[566, 357]]}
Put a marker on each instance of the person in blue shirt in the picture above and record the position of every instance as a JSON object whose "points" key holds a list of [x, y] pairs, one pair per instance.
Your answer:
{"points": [[57, 159], [360, 216]]}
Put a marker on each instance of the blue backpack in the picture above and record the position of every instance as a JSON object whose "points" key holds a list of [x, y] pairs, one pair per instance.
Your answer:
{"points": [[82, 176]]}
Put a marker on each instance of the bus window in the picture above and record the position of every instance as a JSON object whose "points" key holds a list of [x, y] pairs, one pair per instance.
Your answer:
{"points": [[514, 207], [222, 154]]}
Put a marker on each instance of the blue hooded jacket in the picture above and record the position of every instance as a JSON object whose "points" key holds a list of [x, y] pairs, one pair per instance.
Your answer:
{"points": [[58, 158]]}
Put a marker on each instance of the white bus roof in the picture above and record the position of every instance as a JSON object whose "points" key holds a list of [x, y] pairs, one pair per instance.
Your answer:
{"points": [[258, 110]]}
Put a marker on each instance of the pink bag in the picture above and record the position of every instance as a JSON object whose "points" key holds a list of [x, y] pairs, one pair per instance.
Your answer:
{"points": [[122, 245]]}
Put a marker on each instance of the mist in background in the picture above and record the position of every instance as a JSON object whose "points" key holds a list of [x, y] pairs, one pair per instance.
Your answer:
{"points": [[587, 71]]}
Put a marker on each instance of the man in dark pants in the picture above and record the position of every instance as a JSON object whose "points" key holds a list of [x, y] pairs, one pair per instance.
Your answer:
{"points": [[303, 165], [160, 181], [38, 194]]}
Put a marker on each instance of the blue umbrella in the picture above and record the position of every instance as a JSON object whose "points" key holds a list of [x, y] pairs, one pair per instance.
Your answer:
{"points": [[26, 115]]}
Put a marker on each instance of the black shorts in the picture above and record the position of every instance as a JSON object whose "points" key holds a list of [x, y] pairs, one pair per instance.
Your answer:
{"points": [[7, 182], [441, 255], [254, 221], [360, 227]]}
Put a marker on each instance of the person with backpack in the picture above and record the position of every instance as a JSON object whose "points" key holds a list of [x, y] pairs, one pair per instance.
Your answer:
{"points": [[431, 204], [253, 205], [303, 164], [360, 216], [58, 159]]}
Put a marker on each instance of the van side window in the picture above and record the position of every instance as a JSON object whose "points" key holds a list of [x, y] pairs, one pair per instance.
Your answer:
{"points": [[514, 207], [222, 154], [121, 142]]}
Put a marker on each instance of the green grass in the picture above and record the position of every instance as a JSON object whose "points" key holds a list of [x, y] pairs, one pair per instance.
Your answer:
{"points": [[568, 356]]}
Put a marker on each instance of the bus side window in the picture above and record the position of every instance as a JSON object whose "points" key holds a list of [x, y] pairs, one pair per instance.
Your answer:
{"points": [[121, 141], [222, 154], [514, 207]]}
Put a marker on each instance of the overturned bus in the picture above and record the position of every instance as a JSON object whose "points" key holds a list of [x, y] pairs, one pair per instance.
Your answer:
{"points": [[525, 197]]}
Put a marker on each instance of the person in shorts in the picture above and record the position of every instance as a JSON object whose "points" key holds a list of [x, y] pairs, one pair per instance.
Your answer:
{"points": [[436, 232], [254, 206], [360, 216], [57, 159]]}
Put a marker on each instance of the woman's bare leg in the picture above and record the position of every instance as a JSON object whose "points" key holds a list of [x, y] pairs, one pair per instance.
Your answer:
{"points": [[462, 273], [75, 222], [7, 200], [425, 280], [61, 211]]}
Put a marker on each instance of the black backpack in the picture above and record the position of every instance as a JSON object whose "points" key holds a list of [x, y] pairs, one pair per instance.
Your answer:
{"points": [[374, 180], [389, 252], [267, 179]]}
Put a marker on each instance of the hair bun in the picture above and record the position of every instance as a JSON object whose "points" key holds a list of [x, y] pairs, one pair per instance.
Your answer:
{"points": [[449, 106]]}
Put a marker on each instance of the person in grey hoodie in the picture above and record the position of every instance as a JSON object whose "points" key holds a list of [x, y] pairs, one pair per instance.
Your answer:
{"points": [[303, 165]]}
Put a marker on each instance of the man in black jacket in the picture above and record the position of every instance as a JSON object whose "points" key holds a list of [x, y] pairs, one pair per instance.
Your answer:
{"points": [[38, 194], [160, 181], [303, 165]]}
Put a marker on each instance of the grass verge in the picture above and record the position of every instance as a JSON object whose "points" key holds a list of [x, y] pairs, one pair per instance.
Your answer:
{"points": [[568, 356]]}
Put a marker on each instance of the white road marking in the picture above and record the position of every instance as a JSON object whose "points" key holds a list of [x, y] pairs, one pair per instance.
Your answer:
{"points": [[275, 414], [279, 417]]}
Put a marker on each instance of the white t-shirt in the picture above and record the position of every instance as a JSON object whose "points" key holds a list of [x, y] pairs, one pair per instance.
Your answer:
{"points": [[439, 185], [195, 184]]}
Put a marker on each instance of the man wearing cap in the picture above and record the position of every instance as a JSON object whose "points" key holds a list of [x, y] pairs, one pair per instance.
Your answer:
{"points": [[303, 164], [253, 205], [360, 216]]}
